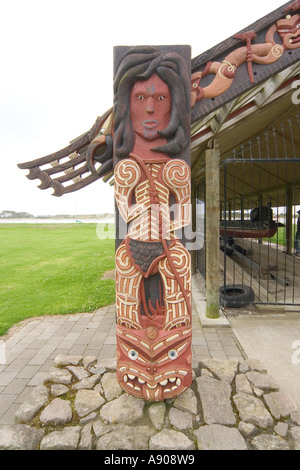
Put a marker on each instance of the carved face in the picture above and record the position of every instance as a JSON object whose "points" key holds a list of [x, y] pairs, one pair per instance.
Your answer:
{"points": [[150, 107], [154, 364], [289, 31]]}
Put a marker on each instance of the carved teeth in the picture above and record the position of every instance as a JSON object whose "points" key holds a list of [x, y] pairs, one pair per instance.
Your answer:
{"points": [[164, 382], [151, 386]]}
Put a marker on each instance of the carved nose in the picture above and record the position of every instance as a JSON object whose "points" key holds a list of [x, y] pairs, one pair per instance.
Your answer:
{"points": [[150, 105], [151, 367]]}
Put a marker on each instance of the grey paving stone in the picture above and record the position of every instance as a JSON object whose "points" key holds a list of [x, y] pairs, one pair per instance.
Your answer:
{"points": [[157, 412], [295, 434], [181, 420], [215, 399], [67, 439], [5, 403], [268, 442], [280, 404], [38, 398], [57, 413], [16, 386], [6, 377], [217, 437], [252, 410], [169, 439], [20, 437], [37, 379], [28, 372]]}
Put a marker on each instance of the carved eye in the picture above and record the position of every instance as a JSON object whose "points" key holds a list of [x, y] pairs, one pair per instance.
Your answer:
{"points": [[140, 97], [173, 354], [298, 25], [133, 355], [161, 98]]}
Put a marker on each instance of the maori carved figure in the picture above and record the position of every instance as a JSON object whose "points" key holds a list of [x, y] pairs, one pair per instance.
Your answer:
{"points": [[153, 278], [287, 31]]}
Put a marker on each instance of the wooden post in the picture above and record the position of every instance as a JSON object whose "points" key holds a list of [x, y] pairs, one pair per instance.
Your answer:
{"points": [[212, 230], [194, 225], [152, 134], [242, 209], [289, 221]]}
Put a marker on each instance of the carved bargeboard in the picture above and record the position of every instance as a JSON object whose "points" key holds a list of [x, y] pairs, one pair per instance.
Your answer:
{"points": [[281, 37], [152, 173]]}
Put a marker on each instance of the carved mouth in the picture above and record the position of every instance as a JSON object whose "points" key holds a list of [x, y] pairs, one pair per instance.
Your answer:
{"points": [[158, 388], [151, 124], [295, 39]]}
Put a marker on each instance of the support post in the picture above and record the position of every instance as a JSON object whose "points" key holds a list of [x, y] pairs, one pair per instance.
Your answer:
{"points": [[194, 225], [289, 221], [152, 179], [212, 158], [242, 209]]}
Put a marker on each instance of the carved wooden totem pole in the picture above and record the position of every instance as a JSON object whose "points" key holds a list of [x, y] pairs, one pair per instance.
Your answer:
{"points": [[152, 176]]}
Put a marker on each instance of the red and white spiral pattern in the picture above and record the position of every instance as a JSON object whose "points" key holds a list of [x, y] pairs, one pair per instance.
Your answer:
{"points": [[177, 174], [127, 174]]}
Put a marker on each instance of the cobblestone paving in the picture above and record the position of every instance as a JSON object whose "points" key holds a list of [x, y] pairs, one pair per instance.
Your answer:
{"points": [[29, 351]]}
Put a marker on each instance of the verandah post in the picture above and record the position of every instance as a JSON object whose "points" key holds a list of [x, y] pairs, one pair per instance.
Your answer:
{"points": [[212, 159]]}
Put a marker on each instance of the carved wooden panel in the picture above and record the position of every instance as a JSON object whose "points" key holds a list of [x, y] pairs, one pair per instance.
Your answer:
{"points": [[249, 58], [151, 151]]}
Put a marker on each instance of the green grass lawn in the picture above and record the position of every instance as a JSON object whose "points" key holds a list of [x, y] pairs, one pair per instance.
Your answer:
{"points": [[52, 269], [280, 238]]}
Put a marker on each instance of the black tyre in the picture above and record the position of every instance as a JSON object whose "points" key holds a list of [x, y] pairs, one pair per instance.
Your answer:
{"points": [[236, 296]]}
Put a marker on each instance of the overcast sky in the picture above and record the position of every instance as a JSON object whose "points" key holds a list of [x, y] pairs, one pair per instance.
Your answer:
{"points": [[56, 76]]}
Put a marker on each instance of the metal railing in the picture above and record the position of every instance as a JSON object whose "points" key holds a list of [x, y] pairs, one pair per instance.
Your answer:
{"points": [[260, 197]]}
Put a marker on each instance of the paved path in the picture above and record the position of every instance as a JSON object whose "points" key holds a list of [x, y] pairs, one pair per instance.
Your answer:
{"points": [[275, 340], [31, 349]]}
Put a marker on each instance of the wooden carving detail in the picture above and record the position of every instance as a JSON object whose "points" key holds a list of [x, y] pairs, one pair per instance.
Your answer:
{"points": [[287, 30], [73, 167], [153, 275]]}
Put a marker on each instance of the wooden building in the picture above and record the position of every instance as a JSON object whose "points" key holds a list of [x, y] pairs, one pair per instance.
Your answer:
{"points": [[245, 141]]}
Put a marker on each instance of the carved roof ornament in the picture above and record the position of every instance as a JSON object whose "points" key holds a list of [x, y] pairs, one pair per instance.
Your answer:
{"points": [[281, 37]]}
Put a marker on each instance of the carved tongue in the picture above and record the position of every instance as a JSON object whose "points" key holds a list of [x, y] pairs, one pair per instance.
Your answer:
{"points": [[152, 394]]}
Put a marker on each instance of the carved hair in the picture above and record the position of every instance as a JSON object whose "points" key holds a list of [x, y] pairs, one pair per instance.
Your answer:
{"points": [[140, 63]]}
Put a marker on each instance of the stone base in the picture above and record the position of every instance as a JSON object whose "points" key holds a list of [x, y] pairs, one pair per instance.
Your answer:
{"points": [[231, 405]]}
